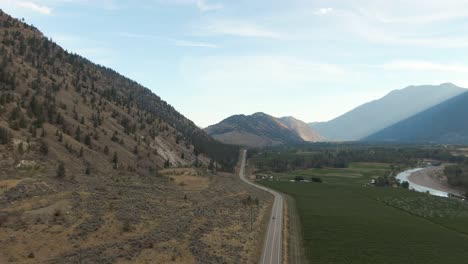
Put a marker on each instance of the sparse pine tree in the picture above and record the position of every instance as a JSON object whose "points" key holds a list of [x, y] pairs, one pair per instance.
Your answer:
{"points": [[167, 164], [21, 148], [78, 133], [115, 160], [44, 148], [33, 131], [88, 170], [87, 140], [61, 170], [4, 136]]}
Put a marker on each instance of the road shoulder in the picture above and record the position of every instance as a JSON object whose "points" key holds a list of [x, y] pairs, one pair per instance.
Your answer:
{"points": [[293, 245]]}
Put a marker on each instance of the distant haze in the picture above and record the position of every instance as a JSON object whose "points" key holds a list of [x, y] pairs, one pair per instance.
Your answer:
{"points": [[444, 123], [392, 108]]}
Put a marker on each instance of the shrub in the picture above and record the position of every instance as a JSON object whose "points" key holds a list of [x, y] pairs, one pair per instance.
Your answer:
{"points": [[405, 184], [299, 178], [126, 226], [316, 179]]}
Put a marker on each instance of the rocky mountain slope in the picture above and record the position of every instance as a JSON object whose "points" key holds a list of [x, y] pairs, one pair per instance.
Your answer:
{"points": [[446, 123], [260, 130], [390, 109], [89, 107], [302, 129], [81, 153]]}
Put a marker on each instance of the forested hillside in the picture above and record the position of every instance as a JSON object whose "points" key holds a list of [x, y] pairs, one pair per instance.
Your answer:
{"points": [[61, 100]]}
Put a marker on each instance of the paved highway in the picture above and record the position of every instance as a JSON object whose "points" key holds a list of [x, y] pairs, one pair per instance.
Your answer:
{"points": [[273, 242]]}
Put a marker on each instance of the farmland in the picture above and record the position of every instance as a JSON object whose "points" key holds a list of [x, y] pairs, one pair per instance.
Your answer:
{"points": [[344, 221]]}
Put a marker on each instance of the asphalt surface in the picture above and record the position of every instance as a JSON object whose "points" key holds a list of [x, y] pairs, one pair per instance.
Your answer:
{"points": [[273, 242]]}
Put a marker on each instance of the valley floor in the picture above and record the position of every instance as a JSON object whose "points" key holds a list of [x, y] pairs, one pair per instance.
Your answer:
{"points": [[344, 221]]}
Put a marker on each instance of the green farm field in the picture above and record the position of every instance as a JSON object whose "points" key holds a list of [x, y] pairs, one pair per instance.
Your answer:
{"points": [[344, 221]]}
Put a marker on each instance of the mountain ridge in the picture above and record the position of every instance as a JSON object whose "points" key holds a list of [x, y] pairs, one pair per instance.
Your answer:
{"points": [[444, 123], [260, 130], [375, 115]]}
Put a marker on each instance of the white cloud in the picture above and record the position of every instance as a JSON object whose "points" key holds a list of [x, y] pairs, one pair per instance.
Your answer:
{"points": [[388, 37], [323, 11], [409, 13], [177, 42], [34, 7], [369, 25], [260, 73], [186, 43], [239, 29], [135, 35], [204, 6], [414, 65], [96, 51]]}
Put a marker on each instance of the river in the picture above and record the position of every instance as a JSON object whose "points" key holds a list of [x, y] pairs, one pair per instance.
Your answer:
{"points": [[403, 176]]}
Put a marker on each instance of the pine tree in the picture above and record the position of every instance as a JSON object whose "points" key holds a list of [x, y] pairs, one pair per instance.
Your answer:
{"points": [[44, 148], [78, 133], [61, 170], [87, 140], [87, 170], [115, 159], [4, 136], [20, 148]]}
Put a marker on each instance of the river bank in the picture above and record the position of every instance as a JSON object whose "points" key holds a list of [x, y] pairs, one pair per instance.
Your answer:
{"points": [[428, 180]]}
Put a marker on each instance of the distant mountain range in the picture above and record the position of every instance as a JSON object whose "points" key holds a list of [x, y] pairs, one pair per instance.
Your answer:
{"points": [[260, 130], [377, 115], [446, 123]]}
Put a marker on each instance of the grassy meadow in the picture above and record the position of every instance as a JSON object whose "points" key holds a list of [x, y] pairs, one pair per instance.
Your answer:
{"points": [[343, 221]]}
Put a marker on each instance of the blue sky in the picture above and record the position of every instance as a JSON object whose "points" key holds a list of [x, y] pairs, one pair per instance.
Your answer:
{"points": [[310, 59]]}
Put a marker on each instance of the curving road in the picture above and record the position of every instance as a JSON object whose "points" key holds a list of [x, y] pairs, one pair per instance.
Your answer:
{"points": [[273, 242]]}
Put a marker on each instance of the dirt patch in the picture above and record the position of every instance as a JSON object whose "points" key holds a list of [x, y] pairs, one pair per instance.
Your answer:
{"points": [[192, 182], [6, 185]]}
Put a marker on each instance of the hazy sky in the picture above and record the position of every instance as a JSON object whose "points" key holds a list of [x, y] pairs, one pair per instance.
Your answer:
{"points": [[310, 59]]}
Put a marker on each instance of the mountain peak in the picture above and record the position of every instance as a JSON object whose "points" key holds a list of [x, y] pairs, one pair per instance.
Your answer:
{"points": [[260, 129]]}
